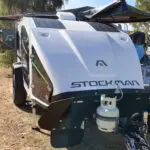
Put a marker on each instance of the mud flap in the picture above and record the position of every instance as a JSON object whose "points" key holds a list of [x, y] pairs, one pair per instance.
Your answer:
{"points": [[51, 116], [71, 129], [68, 132]]}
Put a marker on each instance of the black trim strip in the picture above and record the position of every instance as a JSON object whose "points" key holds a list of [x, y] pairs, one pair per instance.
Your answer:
{"points": [[106, 118], [80, 94]]}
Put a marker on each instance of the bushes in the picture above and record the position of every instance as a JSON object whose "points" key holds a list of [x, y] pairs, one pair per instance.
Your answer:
{"points": [[7, 57]]}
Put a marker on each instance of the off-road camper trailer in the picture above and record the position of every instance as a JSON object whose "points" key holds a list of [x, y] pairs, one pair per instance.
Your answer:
{"points": [[77, 65]]}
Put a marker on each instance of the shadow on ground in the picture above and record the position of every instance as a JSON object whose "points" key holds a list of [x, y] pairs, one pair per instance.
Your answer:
{"points": [[96, 140], [93, 138]]}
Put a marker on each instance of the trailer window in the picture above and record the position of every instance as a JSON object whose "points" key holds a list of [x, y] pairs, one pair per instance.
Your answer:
{"points": [[25, 39], [103, 27], [25, 54], [42, 86], [48, 23]]}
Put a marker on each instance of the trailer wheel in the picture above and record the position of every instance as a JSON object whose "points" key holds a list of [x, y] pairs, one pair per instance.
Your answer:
{"points": [[19, 93]]}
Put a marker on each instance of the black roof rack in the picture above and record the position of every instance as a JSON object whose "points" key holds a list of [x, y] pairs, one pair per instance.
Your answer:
{"points": [[10, 17], [36, 15], [41, 15]]}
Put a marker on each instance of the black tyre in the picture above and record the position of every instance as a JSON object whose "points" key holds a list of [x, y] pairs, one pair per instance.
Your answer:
{"points": [[19, 93]]}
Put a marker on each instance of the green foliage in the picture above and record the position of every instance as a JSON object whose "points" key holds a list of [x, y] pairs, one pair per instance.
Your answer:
{"points": [[20, 6], [7, 58], [145, 6], [10, 7]]}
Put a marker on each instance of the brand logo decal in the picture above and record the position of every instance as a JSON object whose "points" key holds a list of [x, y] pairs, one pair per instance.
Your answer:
{"points": [[104, 83], [101, 63]]}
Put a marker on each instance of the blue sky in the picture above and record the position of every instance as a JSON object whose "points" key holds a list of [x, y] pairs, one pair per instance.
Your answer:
{"points": [[96, 3]]}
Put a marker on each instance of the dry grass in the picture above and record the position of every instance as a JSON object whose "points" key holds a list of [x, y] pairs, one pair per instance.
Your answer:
{"points": [[15, 125], [7, 58]]}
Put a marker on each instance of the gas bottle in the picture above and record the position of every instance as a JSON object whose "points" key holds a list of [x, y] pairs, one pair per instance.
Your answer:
{"points": [[107, 114]]}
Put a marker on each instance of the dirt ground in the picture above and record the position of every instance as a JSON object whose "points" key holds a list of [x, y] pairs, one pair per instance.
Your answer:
{"points": [[16, 127]]}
